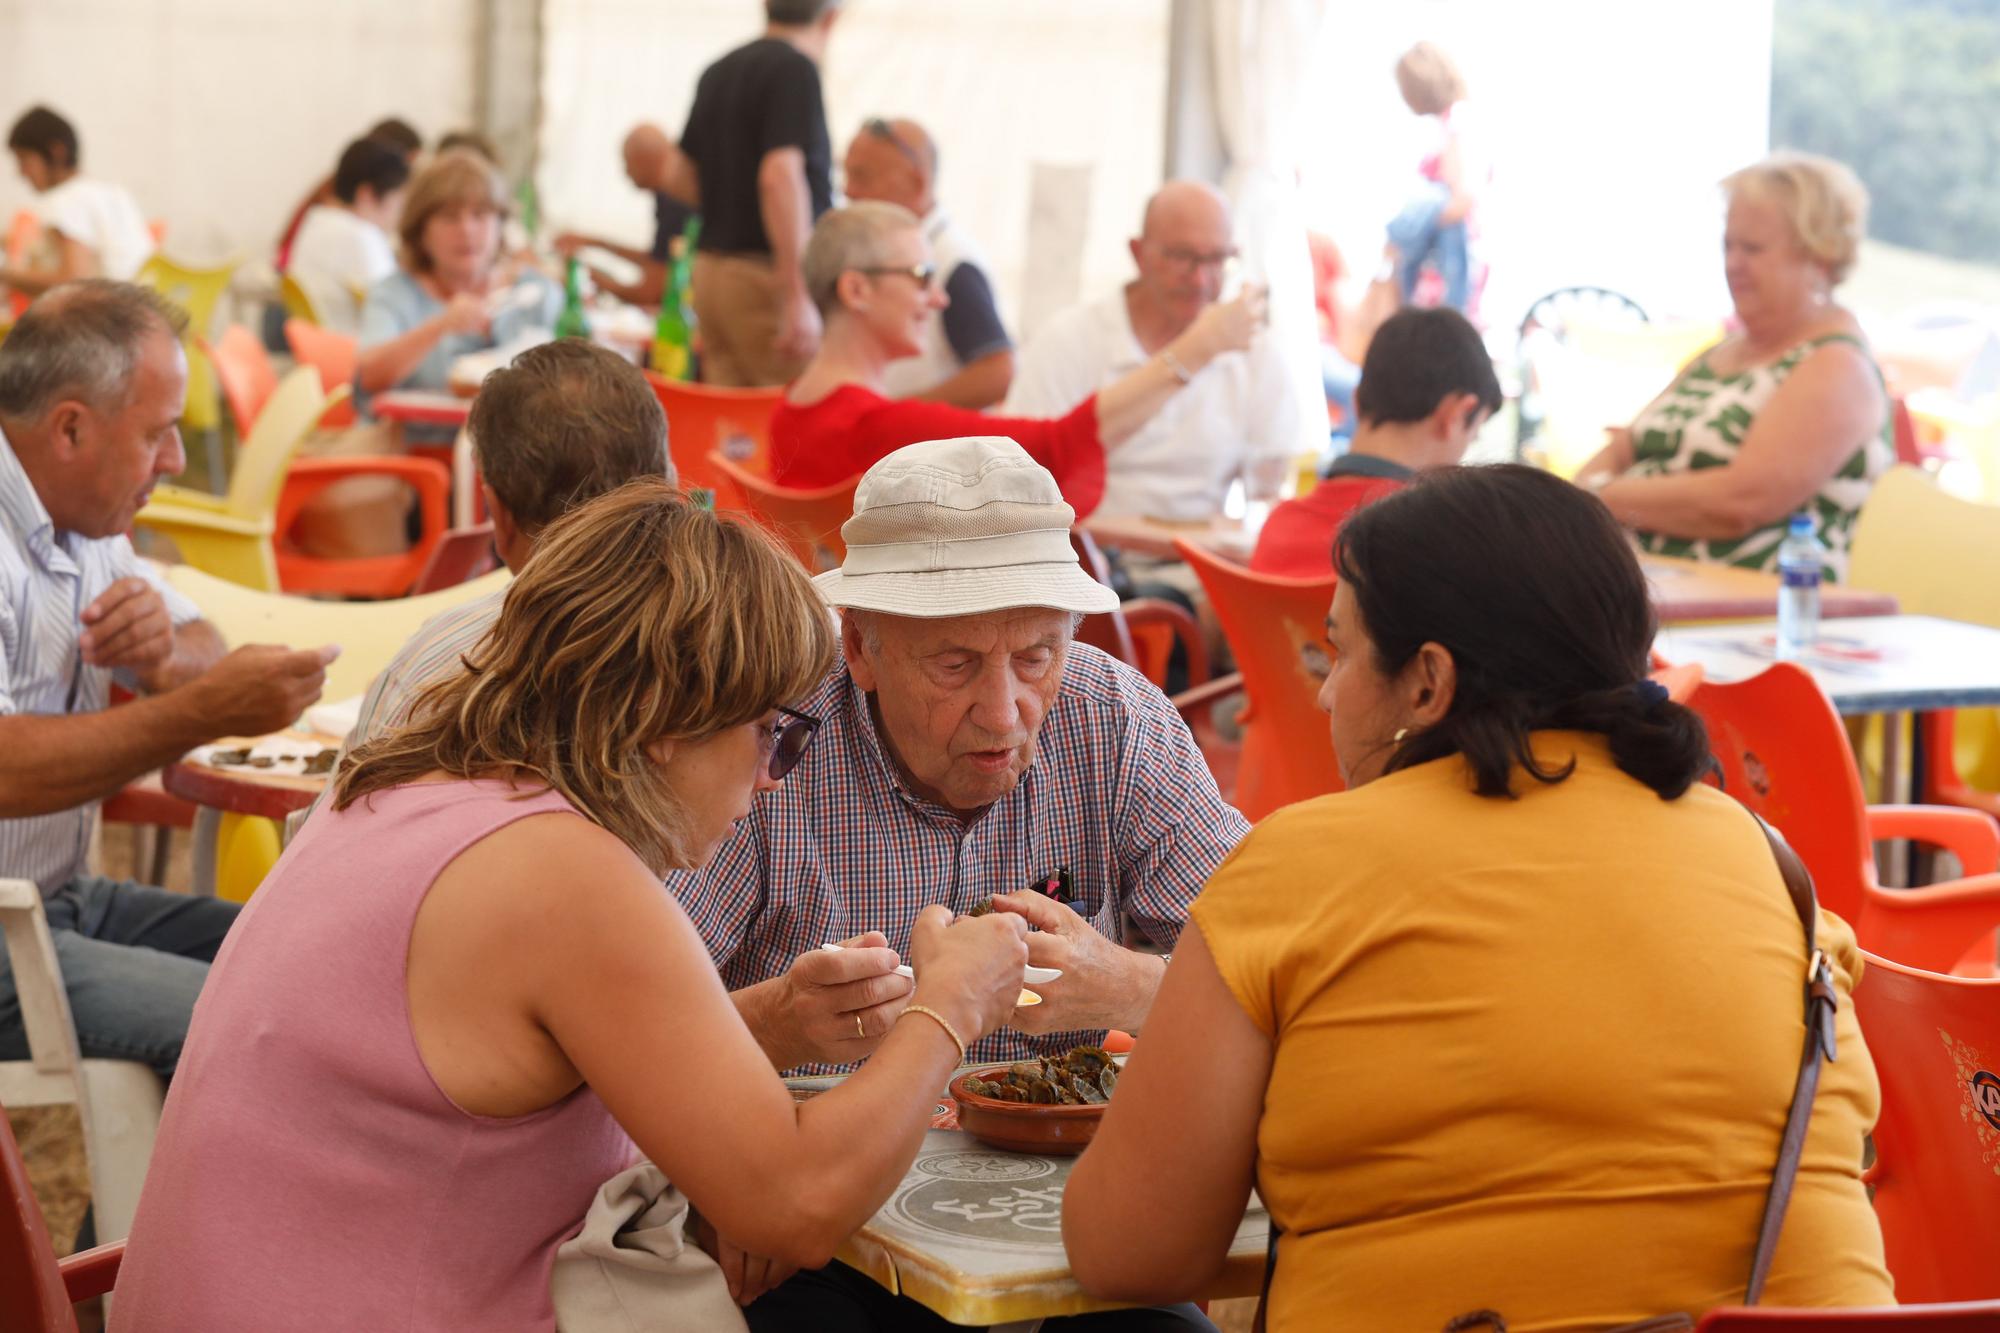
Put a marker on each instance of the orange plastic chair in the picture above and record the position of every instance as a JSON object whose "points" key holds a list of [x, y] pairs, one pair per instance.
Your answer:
{"points": [[704, 420], [1784, 753], [1969, 1317], [333, 355], [374, 576], [463, 555], [1936, 1043], [1142, 632], [1277, 629], [246, 374], [36, 1288], [809, 521], [22, 233]]}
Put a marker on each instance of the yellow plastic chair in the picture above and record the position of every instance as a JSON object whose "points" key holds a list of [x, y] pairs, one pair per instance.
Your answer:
{"points": [[230, 536], [298, 305], [1600, 375], [1940, 555], [197, 291], [369, 634]]}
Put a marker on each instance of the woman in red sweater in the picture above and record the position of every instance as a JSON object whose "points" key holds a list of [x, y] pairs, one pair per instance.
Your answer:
{"points": [[869, 270]]}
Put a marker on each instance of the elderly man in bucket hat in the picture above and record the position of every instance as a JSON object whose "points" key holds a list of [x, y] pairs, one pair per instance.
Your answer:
{"points": [[968, 752]]}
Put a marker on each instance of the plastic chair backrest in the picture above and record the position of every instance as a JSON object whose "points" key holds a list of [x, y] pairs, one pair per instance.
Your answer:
{"points": [[1784, 754], [1107, 630], [703, 419], [369, 633], [294, 408], [1970, 1317], [22, 233], [333, 355], [246, 374], [464, 553], [1277, 629], [195, 290], [32, 1297], [808, 521], [297, 304], [1936, 1044]]}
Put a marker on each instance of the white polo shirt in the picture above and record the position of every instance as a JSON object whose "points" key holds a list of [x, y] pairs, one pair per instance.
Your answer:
{"points": [[338, 258], [1180, 464]]}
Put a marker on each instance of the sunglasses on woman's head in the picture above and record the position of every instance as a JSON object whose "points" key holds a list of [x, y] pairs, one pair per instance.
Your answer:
{"points": [[790, 739]]}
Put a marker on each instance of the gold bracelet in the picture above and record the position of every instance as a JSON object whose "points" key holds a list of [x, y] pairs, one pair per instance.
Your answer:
{"points": [[1173, 364], [940, 1020]]}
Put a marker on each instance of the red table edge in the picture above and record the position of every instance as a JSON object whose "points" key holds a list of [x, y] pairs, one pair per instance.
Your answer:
{"points": [[237, 796]]}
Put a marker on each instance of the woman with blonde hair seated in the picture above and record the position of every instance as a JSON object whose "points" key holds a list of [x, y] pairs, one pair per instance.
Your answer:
{"points": [[868, 268], [1513, 1023], [1786, 415], [427, 1040]]}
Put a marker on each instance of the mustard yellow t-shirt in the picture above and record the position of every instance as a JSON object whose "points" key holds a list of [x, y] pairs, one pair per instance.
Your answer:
{"points": [[1535, 1055]]}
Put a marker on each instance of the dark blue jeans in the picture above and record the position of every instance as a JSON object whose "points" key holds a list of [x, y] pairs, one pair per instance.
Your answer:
{"points": [[133, 959], [836, 1299]]}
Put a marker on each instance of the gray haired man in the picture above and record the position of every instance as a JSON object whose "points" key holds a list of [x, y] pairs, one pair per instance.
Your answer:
{"points": [[92, 380]]}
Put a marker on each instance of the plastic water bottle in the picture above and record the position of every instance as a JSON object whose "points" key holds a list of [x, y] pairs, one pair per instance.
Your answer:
{"points": [[1801, 561]]}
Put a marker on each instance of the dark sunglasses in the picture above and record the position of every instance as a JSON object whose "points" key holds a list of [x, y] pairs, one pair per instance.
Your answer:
{"points": [[924, 274], [881, 129], [789, 741]]}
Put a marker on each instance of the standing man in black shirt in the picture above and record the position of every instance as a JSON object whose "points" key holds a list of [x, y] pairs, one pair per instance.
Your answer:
{"points": [[756, 160]]}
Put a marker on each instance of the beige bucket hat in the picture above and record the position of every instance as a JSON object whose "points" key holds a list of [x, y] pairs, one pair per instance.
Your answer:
{"points": [[957, 527]]}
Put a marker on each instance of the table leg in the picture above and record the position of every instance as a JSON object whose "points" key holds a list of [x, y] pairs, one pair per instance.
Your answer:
{"points": [[1892, 859], [207, 824], [464, 481]]}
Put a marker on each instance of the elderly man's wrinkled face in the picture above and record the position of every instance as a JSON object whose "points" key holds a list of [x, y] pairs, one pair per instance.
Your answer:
{"points": [[960, 700]]}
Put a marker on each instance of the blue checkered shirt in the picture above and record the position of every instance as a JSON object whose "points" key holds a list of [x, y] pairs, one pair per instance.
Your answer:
{"points": [[1118, 794]]}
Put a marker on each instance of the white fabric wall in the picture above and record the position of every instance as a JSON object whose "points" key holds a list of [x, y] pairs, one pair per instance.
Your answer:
{"points": [[1000, 86], [219, 114]]}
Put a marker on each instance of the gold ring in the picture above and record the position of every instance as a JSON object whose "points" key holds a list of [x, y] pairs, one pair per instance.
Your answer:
{"points": [[860, 1031]]}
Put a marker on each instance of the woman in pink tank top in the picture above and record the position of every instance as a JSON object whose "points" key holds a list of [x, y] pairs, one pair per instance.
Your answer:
{"points": [[462, 998]]}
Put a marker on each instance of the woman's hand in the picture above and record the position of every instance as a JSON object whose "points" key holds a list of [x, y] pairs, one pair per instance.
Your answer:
{"points": [[466, 314], [1225, 326], [970, 971]]}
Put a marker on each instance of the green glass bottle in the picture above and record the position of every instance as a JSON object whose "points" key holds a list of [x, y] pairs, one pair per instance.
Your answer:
{"points": [[572, 323], [673, 334], [530, 207]]}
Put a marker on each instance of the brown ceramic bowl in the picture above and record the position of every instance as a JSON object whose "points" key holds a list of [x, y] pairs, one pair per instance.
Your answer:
{"points": [[1053, 1131]]}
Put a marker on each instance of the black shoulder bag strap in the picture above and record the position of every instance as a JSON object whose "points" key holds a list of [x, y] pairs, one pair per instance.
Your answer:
{"points": [[1822, 1004]]}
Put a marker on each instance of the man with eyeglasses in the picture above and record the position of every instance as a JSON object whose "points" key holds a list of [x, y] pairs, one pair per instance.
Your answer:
{"points": [[967, 358], [756, 161], [1236, 418]]}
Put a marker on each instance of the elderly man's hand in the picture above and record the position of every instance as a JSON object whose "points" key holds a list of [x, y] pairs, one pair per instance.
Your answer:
{"points": [[128, 626], [1103, 985], [837, 1007]]}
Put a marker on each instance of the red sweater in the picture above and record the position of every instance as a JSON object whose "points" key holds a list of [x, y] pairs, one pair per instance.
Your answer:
{"points": [[853, 428], [1297, 539]]}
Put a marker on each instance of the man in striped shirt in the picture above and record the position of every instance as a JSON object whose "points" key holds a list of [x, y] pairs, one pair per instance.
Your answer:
{"points": [[92, 380], [565, 423]]}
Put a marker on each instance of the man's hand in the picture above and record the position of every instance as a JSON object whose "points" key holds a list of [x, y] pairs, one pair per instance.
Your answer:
{"points": [[569, 242], [833, 1007], [128, 627], [1103, 985], [259, 689], [749, 1275], [798, 325]]}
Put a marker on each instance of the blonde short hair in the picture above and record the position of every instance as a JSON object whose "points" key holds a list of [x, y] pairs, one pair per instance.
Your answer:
{"points": [[849, 238], [452, 179], [640, 617], [1824, 200], [1429, 80]]}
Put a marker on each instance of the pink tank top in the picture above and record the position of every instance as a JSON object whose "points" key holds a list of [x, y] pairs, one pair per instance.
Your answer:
{"points": [[308, 1171]]}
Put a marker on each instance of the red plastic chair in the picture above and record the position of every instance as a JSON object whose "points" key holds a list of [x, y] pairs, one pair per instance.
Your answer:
{"points": [[374, 576], [463, 555], [1785, 755], [1936, 1043], [808, 521], [1277, 629], [333, 355], [704, 420], [1976, 1317], [36, 1288], [1142, 632], [22, 233], [245, 371]]}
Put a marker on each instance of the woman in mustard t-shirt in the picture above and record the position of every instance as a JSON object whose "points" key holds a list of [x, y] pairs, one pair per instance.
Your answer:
{"points": [[1512, 1023]]}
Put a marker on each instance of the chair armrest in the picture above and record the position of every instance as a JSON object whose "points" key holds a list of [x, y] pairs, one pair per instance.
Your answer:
{"points": [[1969, 835], [430, 479], [1158, 611], [186, 497], [1196, 706], [169, 516], [1934, 927], [92, 1272]]}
